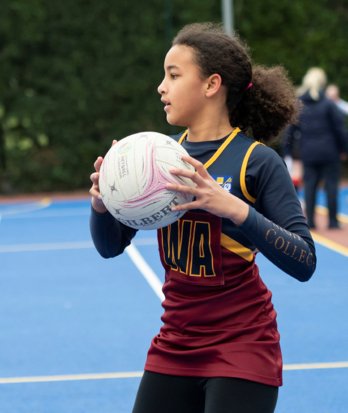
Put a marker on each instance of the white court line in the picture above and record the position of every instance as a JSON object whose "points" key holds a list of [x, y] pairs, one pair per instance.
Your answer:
{"points": [[57, 246], [137, 374], [53, 246], [131, 250], [71, 377], [25, 208], [155, 284], [145, 270], [66, 213], [316, 366]]}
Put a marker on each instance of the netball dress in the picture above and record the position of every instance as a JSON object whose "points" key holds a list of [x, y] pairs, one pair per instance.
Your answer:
{"points": [[218, 318]]}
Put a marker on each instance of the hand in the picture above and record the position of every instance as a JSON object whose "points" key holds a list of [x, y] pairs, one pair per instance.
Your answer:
{"points": [[97, 203], [209, 195]]}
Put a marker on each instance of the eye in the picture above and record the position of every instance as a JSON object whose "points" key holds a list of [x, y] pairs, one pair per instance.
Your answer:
{"points": [[174, 76]]}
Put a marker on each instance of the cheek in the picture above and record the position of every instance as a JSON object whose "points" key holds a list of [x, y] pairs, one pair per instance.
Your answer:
{"points": [[193, 101]]}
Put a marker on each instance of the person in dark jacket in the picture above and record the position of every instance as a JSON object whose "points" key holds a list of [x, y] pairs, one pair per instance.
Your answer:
{"points": [[323, 142]]}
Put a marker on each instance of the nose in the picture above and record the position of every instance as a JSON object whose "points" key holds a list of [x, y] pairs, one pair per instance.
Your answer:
{"points": [[161, 89]]}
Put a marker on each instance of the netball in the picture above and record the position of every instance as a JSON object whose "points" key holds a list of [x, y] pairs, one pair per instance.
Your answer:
{"points": [[133, 176]]}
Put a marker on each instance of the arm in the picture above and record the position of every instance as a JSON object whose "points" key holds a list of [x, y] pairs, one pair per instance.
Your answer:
{"points": [[289, 251], [276, 224], [109, 236]]}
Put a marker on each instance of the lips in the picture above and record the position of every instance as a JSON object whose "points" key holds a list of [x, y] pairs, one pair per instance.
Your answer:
{"points": [[166, 104]]}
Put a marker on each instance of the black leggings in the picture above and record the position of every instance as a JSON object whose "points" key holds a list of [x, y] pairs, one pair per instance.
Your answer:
{"points": [[160, 393]]}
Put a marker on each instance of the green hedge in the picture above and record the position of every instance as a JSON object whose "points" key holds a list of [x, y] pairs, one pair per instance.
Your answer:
{"points": [[75, 74]]}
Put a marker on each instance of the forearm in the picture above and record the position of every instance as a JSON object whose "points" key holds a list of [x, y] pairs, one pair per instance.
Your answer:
{"points": [[289, 251], [109, 236]]}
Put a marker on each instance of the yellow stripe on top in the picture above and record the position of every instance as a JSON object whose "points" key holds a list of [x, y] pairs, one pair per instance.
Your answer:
{"points": [[243, 173], [221, 148], [183, 136], [237, 248]]}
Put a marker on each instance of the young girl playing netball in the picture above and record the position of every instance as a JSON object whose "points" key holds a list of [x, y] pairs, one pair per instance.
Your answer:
{"points": [[218, 349]]}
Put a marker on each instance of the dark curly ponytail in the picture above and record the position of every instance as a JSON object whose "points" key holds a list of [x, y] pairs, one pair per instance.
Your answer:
{"points": [[261, 101]]}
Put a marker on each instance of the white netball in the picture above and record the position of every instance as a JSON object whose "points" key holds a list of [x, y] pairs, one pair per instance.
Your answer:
{"points": [[133, 176]]}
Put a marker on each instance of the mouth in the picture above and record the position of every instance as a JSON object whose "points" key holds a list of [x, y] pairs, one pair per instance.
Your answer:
{"points": [[166, 105]]}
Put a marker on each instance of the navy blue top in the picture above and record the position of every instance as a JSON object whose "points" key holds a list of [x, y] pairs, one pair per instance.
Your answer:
{"points": [[275, 225]]}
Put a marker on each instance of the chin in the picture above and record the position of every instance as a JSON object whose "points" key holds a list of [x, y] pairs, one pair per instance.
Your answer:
{"points": [[174, 122]]}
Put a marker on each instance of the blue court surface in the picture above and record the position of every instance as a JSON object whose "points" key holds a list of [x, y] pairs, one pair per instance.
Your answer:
{"points": [[75, 328]]}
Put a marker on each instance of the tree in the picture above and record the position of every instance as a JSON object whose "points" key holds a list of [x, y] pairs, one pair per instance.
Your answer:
{"points": [[75, 74]]}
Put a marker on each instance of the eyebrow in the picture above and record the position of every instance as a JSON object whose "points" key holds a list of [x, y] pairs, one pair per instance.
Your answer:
{"points": [[172, 67]]}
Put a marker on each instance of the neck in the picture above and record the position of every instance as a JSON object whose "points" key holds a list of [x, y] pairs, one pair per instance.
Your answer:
{"points": [[212, 121], [209, 132]]}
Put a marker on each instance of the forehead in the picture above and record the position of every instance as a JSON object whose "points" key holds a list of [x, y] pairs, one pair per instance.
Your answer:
{"points": [[179, 56]]}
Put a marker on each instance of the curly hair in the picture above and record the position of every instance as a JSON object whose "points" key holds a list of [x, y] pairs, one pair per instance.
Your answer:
{"points": [[261, 101]]}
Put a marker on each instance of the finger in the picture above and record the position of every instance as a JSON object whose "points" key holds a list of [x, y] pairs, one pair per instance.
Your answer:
{"points": [[181, 188], [94, 177], [184, 207], [114, 141], [94, 192], [97, 163], [196, 164], [186, 173]]}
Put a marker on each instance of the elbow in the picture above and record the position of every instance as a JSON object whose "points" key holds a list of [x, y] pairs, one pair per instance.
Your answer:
{"points": [[104, 250], [305, 274], [308, 267], [108, 253], [305, 277]]}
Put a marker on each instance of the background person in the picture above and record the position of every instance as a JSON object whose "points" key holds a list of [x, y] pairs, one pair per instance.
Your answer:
{"points": [[333, 93], [322, 144]]}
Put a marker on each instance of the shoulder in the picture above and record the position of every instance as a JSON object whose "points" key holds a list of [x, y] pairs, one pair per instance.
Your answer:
{"points": [[266, 165], [263, 154], [257, 153]]}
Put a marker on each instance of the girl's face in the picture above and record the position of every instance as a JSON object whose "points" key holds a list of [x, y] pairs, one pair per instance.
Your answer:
{"points": [[183, 88]]}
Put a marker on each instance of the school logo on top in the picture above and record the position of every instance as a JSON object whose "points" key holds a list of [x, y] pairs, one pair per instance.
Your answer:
{"points": [[224, 182]]}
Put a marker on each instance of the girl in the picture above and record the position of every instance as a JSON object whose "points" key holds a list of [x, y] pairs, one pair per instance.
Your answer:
{"points": [[218, 349]]}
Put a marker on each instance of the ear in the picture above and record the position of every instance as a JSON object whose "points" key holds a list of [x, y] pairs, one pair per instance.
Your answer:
{"points": [[213, 85]]}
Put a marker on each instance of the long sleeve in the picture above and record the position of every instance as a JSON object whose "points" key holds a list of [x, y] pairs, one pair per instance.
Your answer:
{"points": [[276, 224], [109, 236], [287, 250]]}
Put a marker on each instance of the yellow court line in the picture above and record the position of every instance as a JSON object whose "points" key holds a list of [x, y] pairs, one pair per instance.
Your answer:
{"points": [[46, 201], [328, 243], [323, 211], [25, 208]]}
